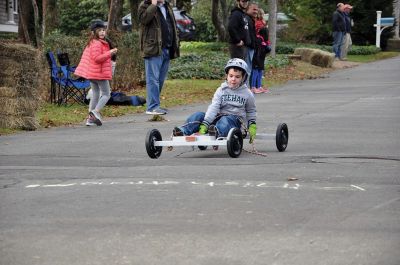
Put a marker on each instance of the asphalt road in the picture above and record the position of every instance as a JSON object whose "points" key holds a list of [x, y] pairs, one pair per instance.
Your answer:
{"points": [[81, 195]]}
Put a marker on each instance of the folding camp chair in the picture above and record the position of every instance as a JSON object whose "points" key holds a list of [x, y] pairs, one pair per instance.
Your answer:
{"points": [[57, 79], [75, 89]]}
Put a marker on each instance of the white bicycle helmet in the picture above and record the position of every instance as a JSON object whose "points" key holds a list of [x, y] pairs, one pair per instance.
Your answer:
{"points": [[238, 63]]}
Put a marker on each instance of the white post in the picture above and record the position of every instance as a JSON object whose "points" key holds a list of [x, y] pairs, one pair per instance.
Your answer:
{"points": [[378, 28]]}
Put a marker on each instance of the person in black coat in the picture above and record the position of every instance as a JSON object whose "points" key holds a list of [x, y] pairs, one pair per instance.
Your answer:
{"points": [[339, 29], [238, 29], [261, 51]]}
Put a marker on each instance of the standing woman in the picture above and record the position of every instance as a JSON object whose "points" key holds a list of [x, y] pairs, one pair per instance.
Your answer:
{"points": [[95, 65]]}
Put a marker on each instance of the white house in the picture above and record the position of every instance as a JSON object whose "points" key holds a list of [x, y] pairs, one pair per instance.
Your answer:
{"points": [[8, 15]]}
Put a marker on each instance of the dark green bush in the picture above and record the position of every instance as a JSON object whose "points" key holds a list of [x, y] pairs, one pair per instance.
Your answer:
{"points": [[210, 65]]}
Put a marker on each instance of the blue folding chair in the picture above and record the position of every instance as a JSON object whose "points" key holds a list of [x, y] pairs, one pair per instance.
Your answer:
{"points": [[57, 79], [75, 89]]}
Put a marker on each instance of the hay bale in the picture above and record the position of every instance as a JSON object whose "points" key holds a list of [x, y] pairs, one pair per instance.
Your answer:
{"points": [[18, 51], [305, 53], [322, 59], [18, 122], [315, 56], [19, 68], [10, 92], [18, 106]]}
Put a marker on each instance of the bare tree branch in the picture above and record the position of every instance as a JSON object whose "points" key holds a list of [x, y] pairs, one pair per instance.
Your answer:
{"points": [[272, 9]]}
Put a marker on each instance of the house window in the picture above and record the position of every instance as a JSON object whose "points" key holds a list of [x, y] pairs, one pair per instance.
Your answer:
{"points": [[15, 6]]}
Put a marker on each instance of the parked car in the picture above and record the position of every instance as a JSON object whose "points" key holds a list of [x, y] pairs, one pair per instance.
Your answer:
{"points": [[282, 20], [184, 23]]}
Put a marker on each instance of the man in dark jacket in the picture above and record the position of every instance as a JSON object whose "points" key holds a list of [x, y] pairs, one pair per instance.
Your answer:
{"points": [[346, 43], [251, 13], [339, 29], [238, 28], [159, 43]]}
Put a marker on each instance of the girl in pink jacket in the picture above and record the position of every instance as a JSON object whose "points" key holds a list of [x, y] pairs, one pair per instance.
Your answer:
{"points": [[95, 65]]}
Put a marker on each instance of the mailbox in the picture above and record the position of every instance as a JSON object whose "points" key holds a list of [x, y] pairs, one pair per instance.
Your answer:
{"points": [[387, 21]]}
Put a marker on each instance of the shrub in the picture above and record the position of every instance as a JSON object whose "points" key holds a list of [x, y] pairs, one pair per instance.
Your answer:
{"points": [[208, 65], [197, 46]]}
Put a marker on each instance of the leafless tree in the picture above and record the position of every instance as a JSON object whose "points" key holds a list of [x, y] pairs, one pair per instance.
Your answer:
{"points": [[115, 14], [24, 9], [219, 17], [134, 4], [396, 13], [36, 18], [272, 10], [50, 19]]}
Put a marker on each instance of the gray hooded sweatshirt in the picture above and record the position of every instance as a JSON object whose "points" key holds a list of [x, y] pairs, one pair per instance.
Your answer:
{"points": [[227, 101]]}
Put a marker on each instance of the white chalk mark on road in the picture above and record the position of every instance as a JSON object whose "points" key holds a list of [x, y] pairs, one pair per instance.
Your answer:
{"points": [[212, 184], [357, 187]]}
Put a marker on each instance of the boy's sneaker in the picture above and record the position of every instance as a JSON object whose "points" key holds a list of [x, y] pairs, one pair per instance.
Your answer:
{"points": [[157, 111], [96, 117], [90, 121], [177, 132]]}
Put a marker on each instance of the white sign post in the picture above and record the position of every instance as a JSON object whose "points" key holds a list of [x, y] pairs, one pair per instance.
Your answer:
{"points": [[382, 22], [378, 28]]}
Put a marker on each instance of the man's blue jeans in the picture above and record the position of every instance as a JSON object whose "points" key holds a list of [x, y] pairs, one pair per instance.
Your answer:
{"points": [[337, 42], [156, 71], [223, 124], [249, 62]]}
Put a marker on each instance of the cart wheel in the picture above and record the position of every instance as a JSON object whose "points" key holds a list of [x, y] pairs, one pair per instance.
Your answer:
{"points": [[282, 137], [235, 143], [152, 136], [202, 147]]}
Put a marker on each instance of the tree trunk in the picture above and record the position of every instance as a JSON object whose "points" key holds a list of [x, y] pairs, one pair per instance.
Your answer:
{"points": [[272, 9], [219, 26], [44, 17], [225, 15], [37, 23], [50, 20], [134, 14], [24, 9], [114, 15], [396, 13]]}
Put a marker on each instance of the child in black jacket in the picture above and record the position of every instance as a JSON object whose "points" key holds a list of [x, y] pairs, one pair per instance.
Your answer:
{"points": [[261, 51]]}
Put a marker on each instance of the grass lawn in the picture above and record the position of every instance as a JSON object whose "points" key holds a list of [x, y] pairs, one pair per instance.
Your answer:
{"points": [[372, 57]]}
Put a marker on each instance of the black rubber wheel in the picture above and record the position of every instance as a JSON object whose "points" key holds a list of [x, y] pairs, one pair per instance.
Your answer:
{"points": [[235, 143], [282, 137], [202, 147], [152, 136]]}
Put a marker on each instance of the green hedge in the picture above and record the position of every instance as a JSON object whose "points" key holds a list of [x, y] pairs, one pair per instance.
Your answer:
{"points": [[210, 65]]}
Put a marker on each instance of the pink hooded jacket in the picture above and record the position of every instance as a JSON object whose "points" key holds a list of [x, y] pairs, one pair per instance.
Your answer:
{"points": [[96, 61]]}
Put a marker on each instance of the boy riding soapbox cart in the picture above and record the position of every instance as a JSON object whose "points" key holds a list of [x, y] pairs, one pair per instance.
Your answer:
{"points": [[233, 142]]}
